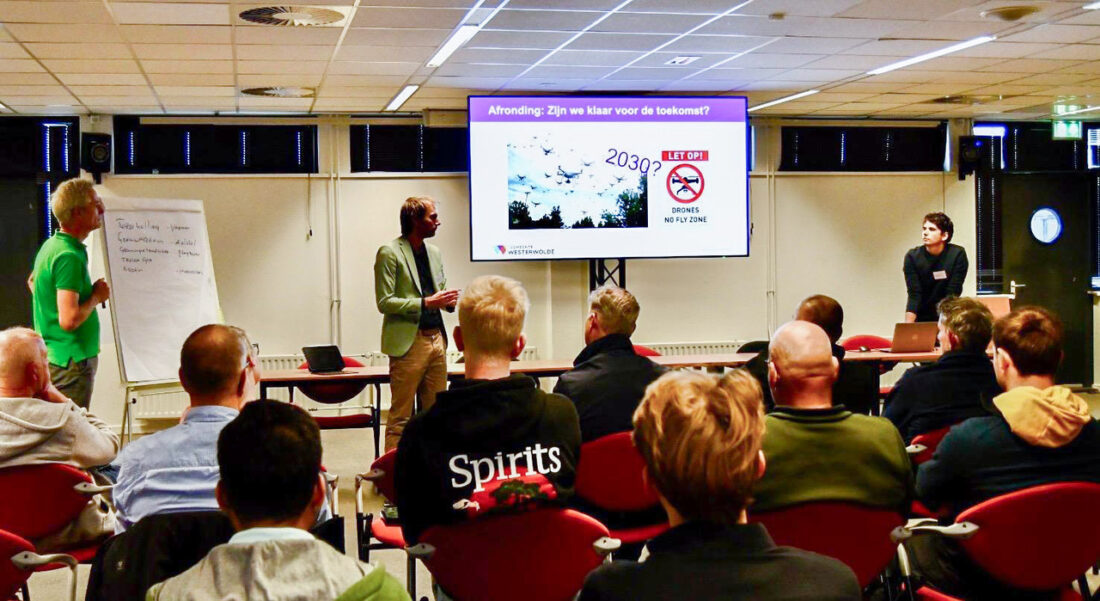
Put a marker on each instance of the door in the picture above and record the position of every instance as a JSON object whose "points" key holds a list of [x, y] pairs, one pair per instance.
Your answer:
{"points": [[1055, 272], [20, 235]]}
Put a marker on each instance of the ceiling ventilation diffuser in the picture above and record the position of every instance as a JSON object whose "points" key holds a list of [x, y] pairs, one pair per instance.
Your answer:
{"points": [[293, 16], [969, 99], [280, 92]]}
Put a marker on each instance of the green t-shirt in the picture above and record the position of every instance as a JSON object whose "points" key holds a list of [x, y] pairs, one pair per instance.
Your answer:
{"points": [[62, 264]]}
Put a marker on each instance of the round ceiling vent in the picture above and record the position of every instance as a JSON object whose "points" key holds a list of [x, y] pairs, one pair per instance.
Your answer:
{"points": [[292, 16], [1010, 13], [280, 92], [969, 99]]}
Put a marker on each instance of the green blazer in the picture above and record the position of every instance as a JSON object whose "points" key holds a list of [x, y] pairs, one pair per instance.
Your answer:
{"points": [[398, 295]]}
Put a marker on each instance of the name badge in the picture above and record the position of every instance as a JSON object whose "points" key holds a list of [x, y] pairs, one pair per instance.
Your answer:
{"points": [[939, 275]]}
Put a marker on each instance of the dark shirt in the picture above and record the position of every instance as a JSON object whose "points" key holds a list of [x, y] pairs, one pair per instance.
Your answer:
{"points": [[956, 387], [981, 458], [925, 291], [607, 382], [703, 561], [429, 318], [457, 447]]}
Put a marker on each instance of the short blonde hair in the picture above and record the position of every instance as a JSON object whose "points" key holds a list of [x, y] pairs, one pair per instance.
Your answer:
{"points": [[700, 436], [615, 308], [491, 313], [19, 347], [414, 207], [70, 195]]}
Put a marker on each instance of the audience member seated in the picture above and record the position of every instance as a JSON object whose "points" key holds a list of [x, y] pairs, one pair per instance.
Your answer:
{"points": [[1042, 433], [39, 425], [269, 457], [490, 426], [959, 385], [855, 383], [700, 439], [818, 451], [608, 378], [176, 469]]}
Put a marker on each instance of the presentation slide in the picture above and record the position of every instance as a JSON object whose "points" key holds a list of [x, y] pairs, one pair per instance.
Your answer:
{"points": [[559, 177]]}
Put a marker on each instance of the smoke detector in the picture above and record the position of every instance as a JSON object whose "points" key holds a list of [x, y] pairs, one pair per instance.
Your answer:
{"points": [[294, 16], [1010, 13], [280, 92]]}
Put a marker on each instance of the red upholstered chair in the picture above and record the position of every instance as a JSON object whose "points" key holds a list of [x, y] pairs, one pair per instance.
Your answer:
{"points": [[334, 393], [540, 555], [373, 531], [18, 561], [645, 351], [857, 535], [924, 445], [1040, 538], [609, 476], [41, 499], [872, 342]]}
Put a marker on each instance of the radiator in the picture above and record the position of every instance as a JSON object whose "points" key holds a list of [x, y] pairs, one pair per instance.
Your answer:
{"points": [[695, 348]]}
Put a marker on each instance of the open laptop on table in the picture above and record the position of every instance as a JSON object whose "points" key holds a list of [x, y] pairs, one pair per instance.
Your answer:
{"points": [[919, 337], [324, 359]]}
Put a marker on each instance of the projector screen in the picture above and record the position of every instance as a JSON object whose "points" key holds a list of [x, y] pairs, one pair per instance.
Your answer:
{"points": [[560, 177]]}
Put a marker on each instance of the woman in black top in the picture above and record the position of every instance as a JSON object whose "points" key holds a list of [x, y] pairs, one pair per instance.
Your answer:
{"points": [[935, 270]]}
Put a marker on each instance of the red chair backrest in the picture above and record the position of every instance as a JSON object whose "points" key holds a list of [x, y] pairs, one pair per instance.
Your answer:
{"points": [[541, 555], [331, 393], [40, 499], [385, 485], [853, 343], [11, 577], [855, 534], [609, 475], [930, 440], [1039, 538], [645, 351]]}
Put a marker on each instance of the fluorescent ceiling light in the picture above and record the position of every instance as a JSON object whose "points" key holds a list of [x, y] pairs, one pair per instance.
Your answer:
{"points": [[783, 99], [457, 39], [1092, 6], [1087, 109], [4, 108], [401, 97], [933, 54]]}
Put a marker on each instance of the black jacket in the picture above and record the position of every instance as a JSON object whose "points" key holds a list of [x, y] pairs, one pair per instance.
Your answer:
{"points": [[958, 386], [496, 421], [703, 561], [856, 385], [606, 384], [925, 289]]}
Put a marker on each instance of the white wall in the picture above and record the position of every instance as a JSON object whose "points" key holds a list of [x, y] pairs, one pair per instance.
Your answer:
{"points": [[842, 235]]}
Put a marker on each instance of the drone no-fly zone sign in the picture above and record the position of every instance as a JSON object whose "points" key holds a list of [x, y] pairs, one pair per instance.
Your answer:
{"points": [[685, 183]]}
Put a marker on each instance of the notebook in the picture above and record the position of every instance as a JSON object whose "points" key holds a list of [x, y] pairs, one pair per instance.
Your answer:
{"points": [[917, 337], [323, 359]]}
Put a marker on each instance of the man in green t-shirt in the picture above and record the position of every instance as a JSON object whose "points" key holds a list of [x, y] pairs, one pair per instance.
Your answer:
{"points": [[65, 296]]}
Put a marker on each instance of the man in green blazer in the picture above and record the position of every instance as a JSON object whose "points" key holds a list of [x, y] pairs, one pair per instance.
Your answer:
{"points": [[410, 289]]}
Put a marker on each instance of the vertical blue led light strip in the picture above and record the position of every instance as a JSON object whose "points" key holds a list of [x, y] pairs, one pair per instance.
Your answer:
{"points": [[299, 136], [131, 148], [46, 147], [187, 148], [49, 212], [244, 148]]}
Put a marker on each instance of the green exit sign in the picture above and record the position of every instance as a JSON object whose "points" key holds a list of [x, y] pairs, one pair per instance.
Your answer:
{"points": [[1067, 130]]}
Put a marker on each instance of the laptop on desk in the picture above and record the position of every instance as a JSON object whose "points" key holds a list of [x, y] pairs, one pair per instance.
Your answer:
{"points": [[919, 337], [324, 359]]}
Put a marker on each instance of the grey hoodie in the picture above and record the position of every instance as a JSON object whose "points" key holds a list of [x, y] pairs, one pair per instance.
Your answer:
{"points": [[35, 431]]}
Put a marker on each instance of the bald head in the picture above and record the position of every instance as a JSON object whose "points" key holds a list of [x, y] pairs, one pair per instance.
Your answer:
{"points": [[803, 368], [21, 352], [212, 360]]}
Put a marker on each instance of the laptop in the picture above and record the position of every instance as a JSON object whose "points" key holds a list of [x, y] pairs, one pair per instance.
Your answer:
{"points": [[919, 337], [323, 359]]}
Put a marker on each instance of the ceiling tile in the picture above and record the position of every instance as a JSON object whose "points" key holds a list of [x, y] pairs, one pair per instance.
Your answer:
{"points": [[483, 83], [13, 51], [53, 12], [618, 41], [660, 60], [1075, 52], [543, 20], [91, 66], [802, 8], [1003, 49], [399, 18], [812, 45], [17, 90], [375, 68], [27, 32], [519, 39], [359, 92], [939, 89], [93, 79], [803, 26], [1026, 65], [276, 67], [976, 77], [197, 91], [152, 66], [287, 36], [195, 52], [367, 80], [81, 50], [1086, 67], [1053, 79], [368, 36], [1056, 34], [109, 90], [274, 103], [197, 101], [246, 80], [458, 70], [649, 23], [575, 72], [164, 13], [192, 79], [816, 75], [948, 31], [385, 54], [765, 60], [850, 61], [178, 34], [722, 44], [264, 52]]}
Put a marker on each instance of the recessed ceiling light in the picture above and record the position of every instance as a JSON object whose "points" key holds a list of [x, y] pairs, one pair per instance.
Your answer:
{"points": [[783, 99], [1092, 6], [1087, 109], [457, 39], [682, 60], [931, 55], [401, 97]]}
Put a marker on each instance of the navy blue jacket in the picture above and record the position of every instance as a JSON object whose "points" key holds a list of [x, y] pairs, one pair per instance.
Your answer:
{"points": [[958, 386]]}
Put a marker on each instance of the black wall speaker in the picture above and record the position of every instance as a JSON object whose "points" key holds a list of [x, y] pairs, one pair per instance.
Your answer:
{"points": [[95, 154], [977, 153]]}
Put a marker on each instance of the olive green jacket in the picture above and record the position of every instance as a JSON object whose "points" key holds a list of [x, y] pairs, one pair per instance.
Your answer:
{"points": [[397, 292]]}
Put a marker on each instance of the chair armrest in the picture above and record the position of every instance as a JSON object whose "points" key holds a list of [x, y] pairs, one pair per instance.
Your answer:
{"points": [[915, 449], [605, 545], [89, 489], [331, 482], [372, 475], [29, 561], [420, 551], [958, 530], [359, 479]]}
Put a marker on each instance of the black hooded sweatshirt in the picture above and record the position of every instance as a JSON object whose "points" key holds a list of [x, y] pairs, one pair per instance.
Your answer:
{"points": [[474, 434]]}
